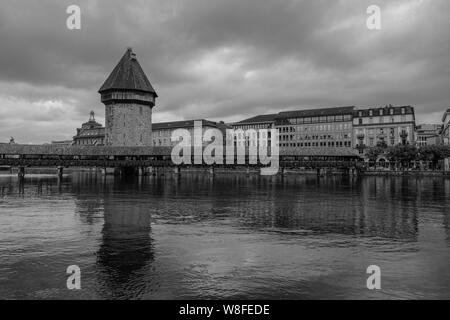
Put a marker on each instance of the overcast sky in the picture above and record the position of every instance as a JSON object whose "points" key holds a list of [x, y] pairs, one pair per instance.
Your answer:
{"points": [[219, 59]]}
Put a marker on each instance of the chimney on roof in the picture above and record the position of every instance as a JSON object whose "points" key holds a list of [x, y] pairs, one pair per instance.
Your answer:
{"points": [[131, 53]]}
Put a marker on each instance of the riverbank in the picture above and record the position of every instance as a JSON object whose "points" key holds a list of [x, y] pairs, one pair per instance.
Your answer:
{"points": [[241, 170], [407, 173]]}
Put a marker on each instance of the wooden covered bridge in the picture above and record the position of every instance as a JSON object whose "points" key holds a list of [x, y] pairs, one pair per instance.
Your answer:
{"points": [[138, 159]]}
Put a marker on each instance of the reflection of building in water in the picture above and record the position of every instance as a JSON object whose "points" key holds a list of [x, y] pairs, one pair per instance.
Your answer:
{"points": [[446, 213], [126, 247], [305, 204]]}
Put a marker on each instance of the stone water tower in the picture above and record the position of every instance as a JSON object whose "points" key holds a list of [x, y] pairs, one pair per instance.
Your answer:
{"points": [[129, 98]]}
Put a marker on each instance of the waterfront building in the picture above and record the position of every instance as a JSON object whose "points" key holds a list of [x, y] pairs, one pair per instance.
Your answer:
{"points": [[324, 129], [129, 98], [387, 125], [428, 134], [445, 133], [91, 133], [62, 143], [266, 121], [162, 132]]}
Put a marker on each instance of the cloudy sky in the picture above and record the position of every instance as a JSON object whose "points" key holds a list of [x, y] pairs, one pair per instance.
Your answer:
{"points": [[219, 59]]}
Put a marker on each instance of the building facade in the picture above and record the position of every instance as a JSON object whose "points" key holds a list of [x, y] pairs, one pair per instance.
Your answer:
{"points": [[129, 98], [428, 134], [257, 123], [388, 126], [91, 133], [317, 128], [162, 132], [445, 133]]}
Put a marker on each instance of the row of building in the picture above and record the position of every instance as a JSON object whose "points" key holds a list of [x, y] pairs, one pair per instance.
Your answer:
{"points": [[129, 99], [339, 127]]}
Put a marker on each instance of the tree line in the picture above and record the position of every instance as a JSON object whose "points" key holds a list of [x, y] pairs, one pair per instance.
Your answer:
{"points": [[405, 154]]}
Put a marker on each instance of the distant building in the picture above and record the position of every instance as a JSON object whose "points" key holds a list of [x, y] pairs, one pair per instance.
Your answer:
{"points": [[445, 133], [266, 121], [129, 98], [162, 132], [62, 143], [384, 126], [324, 129], [428, 134], [91, 133]]}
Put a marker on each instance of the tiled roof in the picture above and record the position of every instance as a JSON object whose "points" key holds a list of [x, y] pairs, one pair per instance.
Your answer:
{"points": [[316, 112], [397, 110], [181, 124], [128, 75], [319, 152], [260, 118]]}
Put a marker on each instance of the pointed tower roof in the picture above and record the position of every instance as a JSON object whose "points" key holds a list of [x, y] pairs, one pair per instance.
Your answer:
{"points": [[128, 75]]}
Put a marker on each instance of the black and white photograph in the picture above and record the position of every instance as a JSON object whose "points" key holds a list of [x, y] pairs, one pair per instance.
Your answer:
{"points": [[240, 152]]}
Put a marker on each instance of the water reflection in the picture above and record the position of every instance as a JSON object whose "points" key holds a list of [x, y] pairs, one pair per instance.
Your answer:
{"points": [[126, 249], [230, 235]]}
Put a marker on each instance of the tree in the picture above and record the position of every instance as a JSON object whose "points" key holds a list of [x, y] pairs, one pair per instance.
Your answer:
{"points": [[402, 153], [434, 153], [374, 152]]}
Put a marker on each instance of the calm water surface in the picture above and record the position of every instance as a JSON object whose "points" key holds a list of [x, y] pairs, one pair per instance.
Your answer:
{"points": [[230, 236]]}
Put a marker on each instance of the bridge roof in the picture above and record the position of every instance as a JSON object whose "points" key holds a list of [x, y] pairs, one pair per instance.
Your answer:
{"points": [[320, 152], [20, 149], [128, 75]]}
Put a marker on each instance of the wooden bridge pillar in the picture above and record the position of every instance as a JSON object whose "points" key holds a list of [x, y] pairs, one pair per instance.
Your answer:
{"points": [[60, 171], [177, 170], [21, 172], [212, 170]]}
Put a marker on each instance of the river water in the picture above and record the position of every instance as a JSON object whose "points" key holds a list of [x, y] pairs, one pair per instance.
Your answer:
{"points": [[228, 236]]}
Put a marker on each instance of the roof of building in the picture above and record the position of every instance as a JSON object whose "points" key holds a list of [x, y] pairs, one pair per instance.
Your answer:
{"points": [[365, 111], [428, 127], [446, 113], [181, 124], [316, 112], [260, 118], [128, 75]]}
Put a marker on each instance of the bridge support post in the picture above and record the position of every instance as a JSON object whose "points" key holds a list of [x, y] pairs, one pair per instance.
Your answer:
{"points": [[247, 172], [60, 171], [177, 170], [212, 170], [21, 172]]}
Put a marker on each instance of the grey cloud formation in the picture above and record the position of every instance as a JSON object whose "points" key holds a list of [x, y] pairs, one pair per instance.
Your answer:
{"points": [[220, 59]]}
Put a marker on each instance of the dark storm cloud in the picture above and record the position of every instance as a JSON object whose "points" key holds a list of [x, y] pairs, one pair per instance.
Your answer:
{"points": [[220, 59]]}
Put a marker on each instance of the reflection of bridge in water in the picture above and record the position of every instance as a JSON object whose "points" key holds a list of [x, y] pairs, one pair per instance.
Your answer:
{"points": [[142, 160]]}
